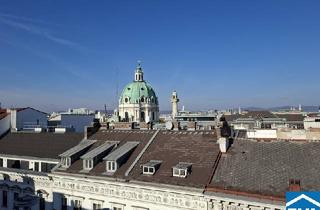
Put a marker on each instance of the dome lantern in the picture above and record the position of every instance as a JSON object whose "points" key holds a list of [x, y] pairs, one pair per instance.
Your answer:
{"points": [[138, 76]]}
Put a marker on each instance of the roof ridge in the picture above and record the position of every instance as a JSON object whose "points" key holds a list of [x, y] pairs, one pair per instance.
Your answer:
{"points": [[141, 153]]}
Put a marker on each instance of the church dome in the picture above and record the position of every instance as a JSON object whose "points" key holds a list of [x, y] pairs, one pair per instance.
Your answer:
{"points": [[139, 91]]}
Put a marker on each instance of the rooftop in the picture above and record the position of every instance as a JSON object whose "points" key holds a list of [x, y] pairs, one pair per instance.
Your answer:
{"points": [[41, 145], [265, 168]]}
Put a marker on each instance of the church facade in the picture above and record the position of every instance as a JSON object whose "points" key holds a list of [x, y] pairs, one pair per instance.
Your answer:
{"points": [[138, 101]]}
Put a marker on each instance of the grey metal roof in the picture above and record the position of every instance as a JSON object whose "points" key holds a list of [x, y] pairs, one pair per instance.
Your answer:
{"points": [[124, 149], [93, 153], [83, 145], [183, 165], [152, 163]]}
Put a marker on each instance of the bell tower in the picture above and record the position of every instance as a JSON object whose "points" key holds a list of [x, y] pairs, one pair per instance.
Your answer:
{"points": [[174, 101]]}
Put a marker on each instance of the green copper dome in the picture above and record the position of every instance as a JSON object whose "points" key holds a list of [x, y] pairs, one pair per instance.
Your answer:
{"points": [[138, 91]]}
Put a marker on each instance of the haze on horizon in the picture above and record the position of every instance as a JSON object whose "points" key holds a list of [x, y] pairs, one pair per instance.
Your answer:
{"points": [[217, 54]]}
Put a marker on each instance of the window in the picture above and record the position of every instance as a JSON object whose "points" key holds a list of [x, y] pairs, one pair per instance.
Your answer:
{"points": [[111, 166], [77, 205], [148, 170], [151, 167], [42, 204], [117, 208], [4, 199], [96, 206], [126, 100], [88, 164], [36, 166], [1, 162], [66, 161], [142, 99], [64, 204], [181, 170]]}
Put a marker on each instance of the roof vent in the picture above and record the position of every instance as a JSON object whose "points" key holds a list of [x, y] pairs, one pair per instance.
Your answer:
{"points": [[182, 169], [151, 167], [118, 157]]}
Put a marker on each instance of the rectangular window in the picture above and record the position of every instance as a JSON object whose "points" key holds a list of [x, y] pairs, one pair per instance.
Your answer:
{"points": [[111, 166], [64, 204], [179, 172], [88, 164], [44, 167], [77, 205], [96, 206], [1, 162], [36, 166], [4, 199], [148, 170], [117, 208], [42, 204]]}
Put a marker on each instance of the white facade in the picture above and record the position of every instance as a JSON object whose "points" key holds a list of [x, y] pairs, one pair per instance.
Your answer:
{"points": [[115, 195], [311, 122]]}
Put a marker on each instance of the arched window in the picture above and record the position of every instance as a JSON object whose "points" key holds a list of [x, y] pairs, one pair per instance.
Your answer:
{"points": [[142, 99], [126, 100]]}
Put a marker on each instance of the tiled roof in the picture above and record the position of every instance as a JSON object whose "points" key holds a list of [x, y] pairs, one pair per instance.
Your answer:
{"points": [[265, 168], [172, 147], [122, 136], [42, 145], [199, 148]]}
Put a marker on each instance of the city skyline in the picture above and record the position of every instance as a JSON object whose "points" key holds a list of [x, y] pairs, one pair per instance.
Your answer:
{"points": [[215, 54]]}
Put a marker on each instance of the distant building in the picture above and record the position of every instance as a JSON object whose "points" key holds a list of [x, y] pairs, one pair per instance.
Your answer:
{"points": [[72, 120], [138, 101]]}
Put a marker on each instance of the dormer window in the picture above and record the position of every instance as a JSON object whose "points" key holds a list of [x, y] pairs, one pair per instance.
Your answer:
{"points": [[93, 157], [151, 167], [88, 164], [118, 157], [181, 170], [126, 100], [66, 162], [142, 99], [111, 166]]}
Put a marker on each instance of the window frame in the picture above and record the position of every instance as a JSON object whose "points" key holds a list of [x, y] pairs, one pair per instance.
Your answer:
{"points": [[148, 171], [181, 172], [113, 165]]}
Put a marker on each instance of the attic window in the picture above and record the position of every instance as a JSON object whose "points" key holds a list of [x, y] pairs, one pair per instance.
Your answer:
{"points": [[88, 164], [111, 166], [142, 88], [129, 88], [181, 170], [126, 100], [66, 162], [151, 167], [142, 99]]}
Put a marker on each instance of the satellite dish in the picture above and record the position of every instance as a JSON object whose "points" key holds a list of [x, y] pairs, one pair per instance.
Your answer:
{"points": [[169, 125]]}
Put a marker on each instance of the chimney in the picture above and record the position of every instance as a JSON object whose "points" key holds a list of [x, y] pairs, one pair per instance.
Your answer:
{"points": [[223, 144], [294, 185]]}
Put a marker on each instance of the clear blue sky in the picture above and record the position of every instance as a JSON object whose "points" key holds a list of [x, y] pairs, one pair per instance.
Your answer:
{"points": [[216, 54]]}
